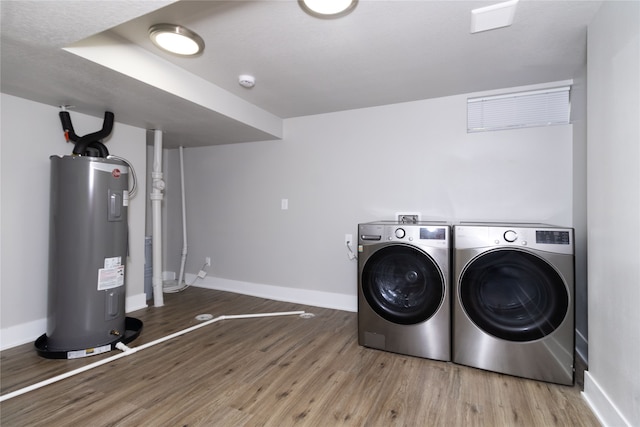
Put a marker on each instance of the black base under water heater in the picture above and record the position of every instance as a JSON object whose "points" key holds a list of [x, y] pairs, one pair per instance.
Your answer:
{"points": [[87, 256]]}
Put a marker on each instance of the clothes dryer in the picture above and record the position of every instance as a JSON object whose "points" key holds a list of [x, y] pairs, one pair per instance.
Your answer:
{"points": [[513, 300], [403, 288]]}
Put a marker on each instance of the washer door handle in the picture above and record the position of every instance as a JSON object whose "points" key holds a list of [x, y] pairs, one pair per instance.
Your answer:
{"points": [[371, 237]]}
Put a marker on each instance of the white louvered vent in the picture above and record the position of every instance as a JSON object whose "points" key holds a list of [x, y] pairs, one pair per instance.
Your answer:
{"points": [[519, 110]]}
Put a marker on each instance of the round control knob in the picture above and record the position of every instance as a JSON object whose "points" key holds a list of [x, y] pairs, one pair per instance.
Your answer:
{"points": [[510, 236], [400, 233]]}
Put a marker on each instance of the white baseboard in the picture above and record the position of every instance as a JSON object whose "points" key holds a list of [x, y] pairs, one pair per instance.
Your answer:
{"points": [[135, 302], [604, 409], [279, 293], [24, 333], [28, 332]]}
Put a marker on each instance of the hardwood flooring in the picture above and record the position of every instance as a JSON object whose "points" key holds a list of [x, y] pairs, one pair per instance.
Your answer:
{"points": [[277, 371]]}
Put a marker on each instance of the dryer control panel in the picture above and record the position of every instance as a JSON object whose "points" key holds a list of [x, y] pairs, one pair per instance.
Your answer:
{"points": [[553, 237], [549, 239]]}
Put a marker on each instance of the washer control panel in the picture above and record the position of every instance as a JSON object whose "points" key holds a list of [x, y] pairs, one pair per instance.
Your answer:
{"points": [[434, 235], [510, 236]]}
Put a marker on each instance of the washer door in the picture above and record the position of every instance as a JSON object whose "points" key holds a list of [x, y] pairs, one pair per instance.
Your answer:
{"points": [[513, 295], [402, 284]]}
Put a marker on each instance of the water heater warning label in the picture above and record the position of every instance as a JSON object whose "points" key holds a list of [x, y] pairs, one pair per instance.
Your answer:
{"points": [[109, 278], [113, 262], [76, 354]]}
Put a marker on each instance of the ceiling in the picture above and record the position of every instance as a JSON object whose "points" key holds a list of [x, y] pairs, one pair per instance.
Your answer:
{"points": [[99, 58]]}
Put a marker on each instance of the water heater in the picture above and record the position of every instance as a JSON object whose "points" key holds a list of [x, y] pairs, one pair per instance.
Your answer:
{"points": [[88, 245]]}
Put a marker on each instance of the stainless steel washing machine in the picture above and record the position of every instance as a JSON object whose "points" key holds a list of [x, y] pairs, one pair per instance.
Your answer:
{"points": [[403, 288], [513, 300]]}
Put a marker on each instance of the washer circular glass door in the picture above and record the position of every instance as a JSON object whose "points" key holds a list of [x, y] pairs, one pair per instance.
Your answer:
{"points": [[513, 295], [402, 284]]}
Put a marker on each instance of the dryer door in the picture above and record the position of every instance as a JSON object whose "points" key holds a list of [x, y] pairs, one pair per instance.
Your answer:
{"points": [[513, 295], [402, 284]]}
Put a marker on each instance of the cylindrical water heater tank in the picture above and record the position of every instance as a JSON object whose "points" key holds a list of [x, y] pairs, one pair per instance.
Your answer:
{"points": [[87, 254]]}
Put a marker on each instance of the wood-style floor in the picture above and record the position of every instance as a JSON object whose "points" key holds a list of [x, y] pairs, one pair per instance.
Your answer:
{"points": [[277, 371]]}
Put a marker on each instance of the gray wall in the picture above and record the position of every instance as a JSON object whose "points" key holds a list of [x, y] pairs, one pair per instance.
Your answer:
{"points": [[340, 169], [612, 383]]}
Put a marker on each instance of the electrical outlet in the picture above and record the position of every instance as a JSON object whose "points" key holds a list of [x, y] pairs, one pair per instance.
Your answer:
{"points": [[408, 217], [348, 239], [207, 261]]}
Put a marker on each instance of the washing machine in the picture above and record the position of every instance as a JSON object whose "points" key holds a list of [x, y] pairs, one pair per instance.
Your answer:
{"points": [[513, 300], [403, 288]]}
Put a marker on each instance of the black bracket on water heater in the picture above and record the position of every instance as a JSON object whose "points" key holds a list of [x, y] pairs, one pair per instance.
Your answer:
{"points": [[90, 144]]}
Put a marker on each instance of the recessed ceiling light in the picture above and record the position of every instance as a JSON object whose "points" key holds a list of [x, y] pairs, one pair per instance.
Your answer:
{"points": [[494, 16], [328, 8], [176, 39]]}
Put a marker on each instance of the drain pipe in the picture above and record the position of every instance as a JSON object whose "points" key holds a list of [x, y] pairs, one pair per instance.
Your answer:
{"points": [[156, 205], [184, 221], [127, 351]]}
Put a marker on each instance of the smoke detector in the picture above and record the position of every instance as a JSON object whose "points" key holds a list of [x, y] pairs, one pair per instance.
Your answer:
{"points": [[247, 81]]}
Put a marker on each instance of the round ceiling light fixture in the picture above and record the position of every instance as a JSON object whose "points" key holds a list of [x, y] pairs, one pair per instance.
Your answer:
{"points": [[176, 39], [328, 8]]}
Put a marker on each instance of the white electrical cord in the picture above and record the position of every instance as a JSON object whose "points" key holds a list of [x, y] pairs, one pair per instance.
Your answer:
{"points": [[127, 351], [134, 189], [352, 255], [186, 285]]}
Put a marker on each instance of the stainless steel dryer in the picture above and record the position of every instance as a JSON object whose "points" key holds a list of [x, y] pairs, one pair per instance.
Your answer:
{"points": [[403, 288], [513, 299]]}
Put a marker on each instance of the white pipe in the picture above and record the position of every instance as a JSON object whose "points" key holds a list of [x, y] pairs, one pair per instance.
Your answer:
{"points": [[184, 221], [156, 205], [127, 351]]}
